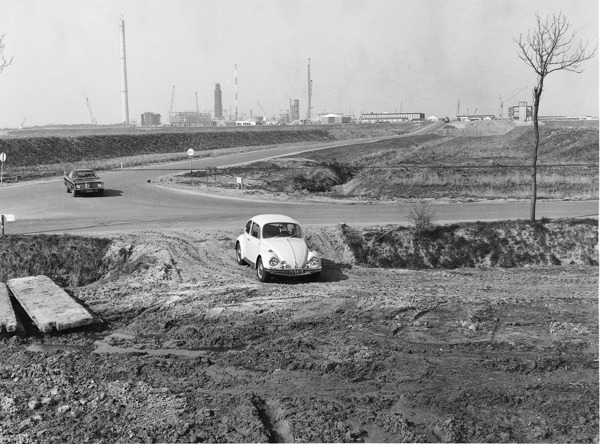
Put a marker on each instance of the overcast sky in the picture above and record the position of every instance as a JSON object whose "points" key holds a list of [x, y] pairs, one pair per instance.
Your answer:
{"points": [[366, 56]]}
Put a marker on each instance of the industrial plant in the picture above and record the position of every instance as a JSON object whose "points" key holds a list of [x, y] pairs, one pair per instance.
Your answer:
{"points": [[292, 116]]}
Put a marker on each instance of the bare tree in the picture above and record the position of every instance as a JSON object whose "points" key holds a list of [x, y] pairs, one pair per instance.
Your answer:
{"points": [[549, 47], [3, 62]]}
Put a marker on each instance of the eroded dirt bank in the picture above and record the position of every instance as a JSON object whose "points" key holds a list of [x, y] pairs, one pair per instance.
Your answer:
{"points": [[194, 349]]}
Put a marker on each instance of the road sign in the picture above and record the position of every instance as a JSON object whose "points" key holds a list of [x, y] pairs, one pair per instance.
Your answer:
{"points": [[2, 157], [190, 152]]}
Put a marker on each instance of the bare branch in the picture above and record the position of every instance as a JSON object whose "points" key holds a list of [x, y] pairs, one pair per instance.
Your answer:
{"points": [[3, 62], [549, 47]]}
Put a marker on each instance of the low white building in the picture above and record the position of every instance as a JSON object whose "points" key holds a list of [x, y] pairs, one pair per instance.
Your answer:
{"points": [[331, 119]]}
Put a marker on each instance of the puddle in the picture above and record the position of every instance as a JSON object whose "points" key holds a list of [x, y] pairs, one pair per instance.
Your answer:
{"points": [[103, 347], [49, 348], [100, 347]]}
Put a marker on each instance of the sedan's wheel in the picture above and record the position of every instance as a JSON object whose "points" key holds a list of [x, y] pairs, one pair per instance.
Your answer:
{"points": [[261, 274], [238, 255], [68, 190], [101, 193]]}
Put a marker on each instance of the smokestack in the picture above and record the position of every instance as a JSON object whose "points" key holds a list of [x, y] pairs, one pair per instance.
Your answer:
{"points": [[218, 102], [124, 98], [236, 102]]}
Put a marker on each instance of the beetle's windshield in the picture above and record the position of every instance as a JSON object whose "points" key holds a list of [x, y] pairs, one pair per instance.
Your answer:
{"points": [[281, 229]]}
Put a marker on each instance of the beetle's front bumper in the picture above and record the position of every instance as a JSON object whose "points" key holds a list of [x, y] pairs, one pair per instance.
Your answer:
{"points": [[292, 271]]}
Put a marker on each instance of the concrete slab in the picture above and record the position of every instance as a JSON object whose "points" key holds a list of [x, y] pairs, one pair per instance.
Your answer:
{"points": [[8, 318], [48, 305]]}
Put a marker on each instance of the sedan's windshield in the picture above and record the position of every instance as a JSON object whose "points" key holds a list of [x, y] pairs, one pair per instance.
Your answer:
{"points": [[281, 229], [84, 175]]}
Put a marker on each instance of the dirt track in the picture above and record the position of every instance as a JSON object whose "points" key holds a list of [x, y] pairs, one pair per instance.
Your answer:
{"points": [[194, 349]]}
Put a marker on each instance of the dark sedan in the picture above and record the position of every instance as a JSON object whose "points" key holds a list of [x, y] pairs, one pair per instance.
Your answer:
{"points": [[83, 182]]}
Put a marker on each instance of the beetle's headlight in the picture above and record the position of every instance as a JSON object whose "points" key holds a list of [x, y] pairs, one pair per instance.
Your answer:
{"points": [[314, 261], [274, 261]]}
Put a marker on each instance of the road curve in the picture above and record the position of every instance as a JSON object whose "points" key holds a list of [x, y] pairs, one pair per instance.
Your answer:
{"points": [[132, 203]]}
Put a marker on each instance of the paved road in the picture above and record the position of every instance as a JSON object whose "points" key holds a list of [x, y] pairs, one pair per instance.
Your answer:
{"points": [[131, 203]]}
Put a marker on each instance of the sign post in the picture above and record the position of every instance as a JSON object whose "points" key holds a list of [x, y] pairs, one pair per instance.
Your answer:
{"points": [[191, 154], [2, 159]]}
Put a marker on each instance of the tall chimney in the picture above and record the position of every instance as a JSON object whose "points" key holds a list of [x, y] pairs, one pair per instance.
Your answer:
{"points": [[236, 102], [218, 102], [124, 99]]}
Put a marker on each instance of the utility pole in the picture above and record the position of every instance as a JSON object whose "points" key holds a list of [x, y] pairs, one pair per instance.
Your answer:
{"points": [[236, 101]]}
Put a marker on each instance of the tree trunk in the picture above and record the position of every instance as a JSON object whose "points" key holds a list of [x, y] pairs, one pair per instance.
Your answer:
{"points": [[537, 92]]}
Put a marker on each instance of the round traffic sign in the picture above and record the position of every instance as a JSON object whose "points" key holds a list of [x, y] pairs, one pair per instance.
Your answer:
{"points": [[190, 152], [2, 157]]}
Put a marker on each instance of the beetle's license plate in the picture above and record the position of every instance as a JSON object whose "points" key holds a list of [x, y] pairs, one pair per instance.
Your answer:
{"points": [[296, 271]]}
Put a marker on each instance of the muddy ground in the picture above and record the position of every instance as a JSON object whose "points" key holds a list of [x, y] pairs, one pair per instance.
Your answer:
{"points": [[192, 348]]}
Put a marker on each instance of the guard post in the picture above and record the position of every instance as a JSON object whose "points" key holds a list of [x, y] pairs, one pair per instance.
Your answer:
{"points": [[6, 218]]}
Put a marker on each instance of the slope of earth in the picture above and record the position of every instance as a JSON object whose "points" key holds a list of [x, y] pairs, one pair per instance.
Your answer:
{"points": [[194, 349], [45, 152], [484, 160]]}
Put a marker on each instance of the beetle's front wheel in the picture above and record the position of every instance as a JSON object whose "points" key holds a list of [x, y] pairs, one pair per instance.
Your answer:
{"points": [[261, 274], [238, 255]]}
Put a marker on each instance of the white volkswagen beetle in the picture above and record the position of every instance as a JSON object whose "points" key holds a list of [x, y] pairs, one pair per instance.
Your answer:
{"points": [[273, 244]]}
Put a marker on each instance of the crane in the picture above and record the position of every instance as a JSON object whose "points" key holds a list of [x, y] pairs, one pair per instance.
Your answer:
{"points": [[502, 102], [23, 123], [90, 109], [262, 109]]}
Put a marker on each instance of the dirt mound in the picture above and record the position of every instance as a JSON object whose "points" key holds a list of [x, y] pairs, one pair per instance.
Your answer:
{"points": [[477, 128]]}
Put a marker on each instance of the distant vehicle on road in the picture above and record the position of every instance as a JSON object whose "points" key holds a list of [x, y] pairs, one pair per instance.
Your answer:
{"points": [[83, 182], [273, 244]]}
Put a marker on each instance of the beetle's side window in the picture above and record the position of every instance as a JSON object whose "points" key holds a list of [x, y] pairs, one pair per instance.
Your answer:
{"points": [[255, 230], [248, 225]]}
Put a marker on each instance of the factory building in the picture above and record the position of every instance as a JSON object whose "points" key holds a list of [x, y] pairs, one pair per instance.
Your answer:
{"points": [[391, 117], [190, 119], [295, 111], [522, 112], [218, 102], [330, 119], [334, 118], [150, 119]]}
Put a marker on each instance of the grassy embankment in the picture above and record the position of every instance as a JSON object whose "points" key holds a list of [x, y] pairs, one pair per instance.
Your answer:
{"points": [[36, 157], [503, 244], [439, 166], [45, 152]]}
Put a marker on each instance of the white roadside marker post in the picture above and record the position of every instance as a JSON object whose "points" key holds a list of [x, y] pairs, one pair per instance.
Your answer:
{"points": [[6, 218]]}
